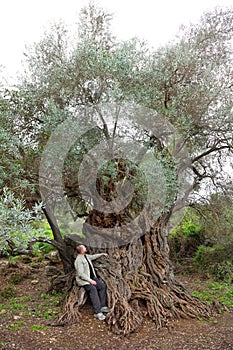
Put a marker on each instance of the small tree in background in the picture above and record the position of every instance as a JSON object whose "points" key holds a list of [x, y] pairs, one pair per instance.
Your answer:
{"points": [[16, 230]]}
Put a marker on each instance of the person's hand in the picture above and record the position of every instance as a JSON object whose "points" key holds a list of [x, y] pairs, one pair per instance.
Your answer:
{"points": [[93, 282], [105, 254]]}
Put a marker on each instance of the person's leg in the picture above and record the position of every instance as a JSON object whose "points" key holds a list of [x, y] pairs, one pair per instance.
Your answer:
{"points": [[101, 288], [94, 296]]}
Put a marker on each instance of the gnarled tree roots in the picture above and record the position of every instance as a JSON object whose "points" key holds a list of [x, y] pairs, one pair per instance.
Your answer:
{"points": [[139, 286]]}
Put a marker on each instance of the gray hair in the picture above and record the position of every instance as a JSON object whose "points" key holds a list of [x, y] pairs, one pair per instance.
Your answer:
{"points": [[79, 248]]}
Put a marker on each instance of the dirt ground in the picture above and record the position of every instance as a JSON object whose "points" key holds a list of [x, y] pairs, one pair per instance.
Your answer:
{"points": [[23, 327]]}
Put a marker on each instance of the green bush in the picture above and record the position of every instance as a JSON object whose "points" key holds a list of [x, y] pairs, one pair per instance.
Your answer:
{"points": [[42, 247], [205, 256], [204, 236], [191, 229], [16, 222], [185, 239], [216, 260], [222, 271]]}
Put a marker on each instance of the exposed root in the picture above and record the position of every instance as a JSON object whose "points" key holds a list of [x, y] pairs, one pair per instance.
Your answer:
{"points": [[62, 283], [125, 318], [71, 310], [139, 283]]}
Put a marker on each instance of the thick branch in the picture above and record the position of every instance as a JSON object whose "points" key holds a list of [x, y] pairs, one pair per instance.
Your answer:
{"points": [[53, 224], [29, 249], [105, 126], [209, 151]]}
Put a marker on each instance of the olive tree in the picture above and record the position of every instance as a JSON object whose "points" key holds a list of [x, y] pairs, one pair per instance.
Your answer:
{"points": [[121, 136]]}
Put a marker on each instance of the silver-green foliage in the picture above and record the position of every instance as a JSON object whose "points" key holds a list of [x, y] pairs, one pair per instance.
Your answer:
{"points": [[187, 83], [15, 222]]}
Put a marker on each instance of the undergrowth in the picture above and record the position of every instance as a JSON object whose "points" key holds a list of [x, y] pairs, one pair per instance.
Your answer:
{"points": [[215, 291]]}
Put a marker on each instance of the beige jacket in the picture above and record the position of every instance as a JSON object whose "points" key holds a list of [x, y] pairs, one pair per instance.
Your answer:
{"points": [[82, 268]]}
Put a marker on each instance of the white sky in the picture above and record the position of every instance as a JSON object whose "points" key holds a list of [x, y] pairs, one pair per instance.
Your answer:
{"points": [[24, 21]]}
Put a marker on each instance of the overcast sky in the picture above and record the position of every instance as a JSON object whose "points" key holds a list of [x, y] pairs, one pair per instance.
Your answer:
{"points": [[24, 21]]}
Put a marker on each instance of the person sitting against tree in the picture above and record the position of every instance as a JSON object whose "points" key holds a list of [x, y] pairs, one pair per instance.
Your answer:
{"points": [[86, 277]]}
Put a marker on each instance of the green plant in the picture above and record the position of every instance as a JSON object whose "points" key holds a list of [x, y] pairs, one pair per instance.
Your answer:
{"points": [[15, 222], [186, 237], [45, 296], [50, 313], [26, 298], [8, 292], [3, 307], [16, 305], [16, 278], [38, 327], [214, 291], [42, 247], [18, 325], [222, 271], [204, 255], [216, 260], [191, 229], [187, 84], [12, 258]]}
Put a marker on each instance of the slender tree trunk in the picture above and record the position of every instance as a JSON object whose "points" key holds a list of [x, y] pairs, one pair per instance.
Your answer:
{"points": [[64, 251]]}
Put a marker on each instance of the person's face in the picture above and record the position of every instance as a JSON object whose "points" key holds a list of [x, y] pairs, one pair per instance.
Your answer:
{"points": [[84, 249]]}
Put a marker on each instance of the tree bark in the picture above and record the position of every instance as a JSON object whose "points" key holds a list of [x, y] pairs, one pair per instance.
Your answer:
{"points": [[141, 283], [64, 251]]}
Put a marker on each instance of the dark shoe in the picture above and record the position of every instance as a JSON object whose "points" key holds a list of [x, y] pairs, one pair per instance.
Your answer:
{"points": [[100, 316], [105, 309]]}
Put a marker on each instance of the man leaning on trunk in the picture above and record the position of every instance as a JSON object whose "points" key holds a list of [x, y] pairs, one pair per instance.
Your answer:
{"points": [[86, 277]]}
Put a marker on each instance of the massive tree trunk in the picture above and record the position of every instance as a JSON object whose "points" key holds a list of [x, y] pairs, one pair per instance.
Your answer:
{"points": [[138, 272], [140, 282]]}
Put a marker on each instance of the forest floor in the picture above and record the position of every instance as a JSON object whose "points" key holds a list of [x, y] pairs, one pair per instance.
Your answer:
{"points": [[25, 310]]}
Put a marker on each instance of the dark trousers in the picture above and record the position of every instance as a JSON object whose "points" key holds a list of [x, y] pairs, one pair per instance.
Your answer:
{"points": [[97, 294]]}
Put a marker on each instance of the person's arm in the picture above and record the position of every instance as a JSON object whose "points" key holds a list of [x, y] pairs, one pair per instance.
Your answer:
{"points": [[96, 256]]}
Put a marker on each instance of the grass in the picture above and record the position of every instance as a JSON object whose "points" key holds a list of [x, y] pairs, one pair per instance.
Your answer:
{"points": [[18, 325], [27, 306], [16, 304], [216, 291], [38, 327]]}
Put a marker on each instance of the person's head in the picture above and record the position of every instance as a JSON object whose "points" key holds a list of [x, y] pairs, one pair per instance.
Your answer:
{"points": [[81, 249]]}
